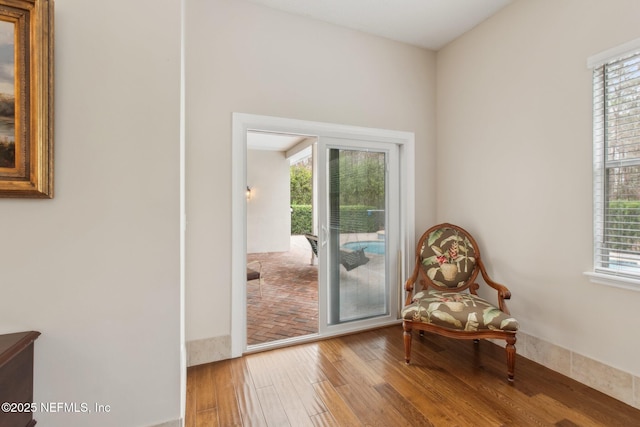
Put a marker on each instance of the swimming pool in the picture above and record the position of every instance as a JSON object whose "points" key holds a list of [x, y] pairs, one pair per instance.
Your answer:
{"points": [[370, 246]]}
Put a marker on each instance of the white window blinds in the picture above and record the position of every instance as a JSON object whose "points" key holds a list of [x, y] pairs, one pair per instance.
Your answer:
{"points": [[616, 132]]}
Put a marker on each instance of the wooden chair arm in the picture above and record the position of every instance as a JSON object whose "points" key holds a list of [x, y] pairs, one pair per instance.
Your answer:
{"points": [[503, 292], [409, 284]]}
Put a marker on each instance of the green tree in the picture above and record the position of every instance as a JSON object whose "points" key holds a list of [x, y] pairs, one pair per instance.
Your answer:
{"points": [[300, 181], [362, 178]]}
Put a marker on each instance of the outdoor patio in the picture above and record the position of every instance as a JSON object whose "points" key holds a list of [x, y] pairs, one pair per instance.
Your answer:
{"points": [[288, 305]]}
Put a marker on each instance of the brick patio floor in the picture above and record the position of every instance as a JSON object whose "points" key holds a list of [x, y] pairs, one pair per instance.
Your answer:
{"points": [[288, 306]]}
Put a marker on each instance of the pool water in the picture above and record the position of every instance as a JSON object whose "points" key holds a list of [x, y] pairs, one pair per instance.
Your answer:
{"points": [[370, 246]]}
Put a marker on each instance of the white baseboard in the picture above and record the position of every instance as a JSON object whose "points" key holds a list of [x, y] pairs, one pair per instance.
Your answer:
{"points": [[611, 381], [174, 423], [208, 350]]}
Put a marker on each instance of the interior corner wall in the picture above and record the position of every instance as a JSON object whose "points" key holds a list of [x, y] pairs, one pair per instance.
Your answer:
{"points": [[515, 166], [96, 269], [246, 58], [269, 208]]}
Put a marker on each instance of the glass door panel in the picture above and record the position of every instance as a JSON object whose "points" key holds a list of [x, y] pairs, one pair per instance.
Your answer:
{"points": [[358, 279]]}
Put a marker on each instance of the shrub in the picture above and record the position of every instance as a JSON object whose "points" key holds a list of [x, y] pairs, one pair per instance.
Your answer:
{"points": [[353, 219], [301, 219], [625, 237], [360, 219]]}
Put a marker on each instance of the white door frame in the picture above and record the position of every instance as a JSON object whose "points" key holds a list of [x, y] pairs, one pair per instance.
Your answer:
{"points": [[241, 123]]}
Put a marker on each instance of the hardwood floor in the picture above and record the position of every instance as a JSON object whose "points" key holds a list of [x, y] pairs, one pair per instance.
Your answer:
{"points": [[362, 380]]}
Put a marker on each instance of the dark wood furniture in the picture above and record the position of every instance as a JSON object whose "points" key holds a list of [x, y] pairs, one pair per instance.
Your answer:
{"points": [[16, 378], [447, 265]]}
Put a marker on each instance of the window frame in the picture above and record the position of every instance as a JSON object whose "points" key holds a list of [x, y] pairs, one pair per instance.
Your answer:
{"points": [[597, 63]]}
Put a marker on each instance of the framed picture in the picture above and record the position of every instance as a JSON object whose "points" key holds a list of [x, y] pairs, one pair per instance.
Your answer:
{"points": [[26, 98]]}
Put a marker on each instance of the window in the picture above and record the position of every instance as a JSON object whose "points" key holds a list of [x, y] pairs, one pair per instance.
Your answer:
{"points": [[616, 134]]}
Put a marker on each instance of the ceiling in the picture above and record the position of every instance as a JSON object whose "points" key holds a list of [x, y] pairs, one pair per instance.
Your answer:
{"points": [[272, 141], [430, 24], [269, 141]]}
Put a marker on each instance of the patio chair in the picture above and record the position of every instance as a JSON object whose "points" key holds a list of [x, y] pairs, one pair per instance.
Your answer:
{"points": [[253, 274], [447, 265], [313, 241], [353, 258], [349, 258]]}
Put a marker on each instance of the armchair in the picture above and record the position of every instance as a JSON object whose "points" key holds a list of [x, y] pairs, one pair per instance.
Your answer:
{"points": [[447, 265]]}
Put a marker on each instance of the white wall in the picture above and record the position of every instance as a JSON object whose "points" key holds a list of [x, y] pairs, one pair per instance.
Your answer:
{"points": [[515, 166], [96, 269], [269, 209], [246, 58]]}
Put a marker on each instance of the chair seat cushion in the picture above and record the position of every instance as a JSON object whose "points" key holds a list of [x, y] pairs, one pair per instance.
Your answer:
{"points": [[457, 311]]}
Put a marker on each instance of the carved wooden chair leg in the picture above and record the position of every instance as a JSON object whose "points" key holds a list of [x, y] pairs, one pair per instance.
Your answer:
{"points": [[511, 356], [407, 343]]}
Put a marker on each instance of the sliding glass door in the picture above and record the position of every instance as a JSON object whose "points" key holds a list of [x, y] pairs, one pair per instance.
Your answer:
{"points": [[359, 231]]}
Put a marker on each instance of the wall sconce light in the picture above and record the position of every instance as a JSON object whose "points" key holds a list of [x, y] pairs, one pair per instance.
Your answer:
{"points": [[248, 193]]}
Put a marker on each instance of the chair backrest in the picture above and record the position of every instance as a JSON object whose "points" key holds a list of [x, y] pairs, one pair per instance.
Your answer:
{"points": [[448, 256], [313, 241]]}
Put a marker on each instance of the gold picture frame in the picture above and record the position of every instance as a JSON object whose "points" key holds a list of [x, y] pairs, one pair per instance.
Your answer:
{"points": [[26, 98]]}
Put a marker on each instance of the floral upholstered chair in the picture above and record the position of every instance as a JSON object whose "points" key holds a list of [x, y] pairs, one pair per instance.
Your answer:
{"points": [[447, 265]]}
